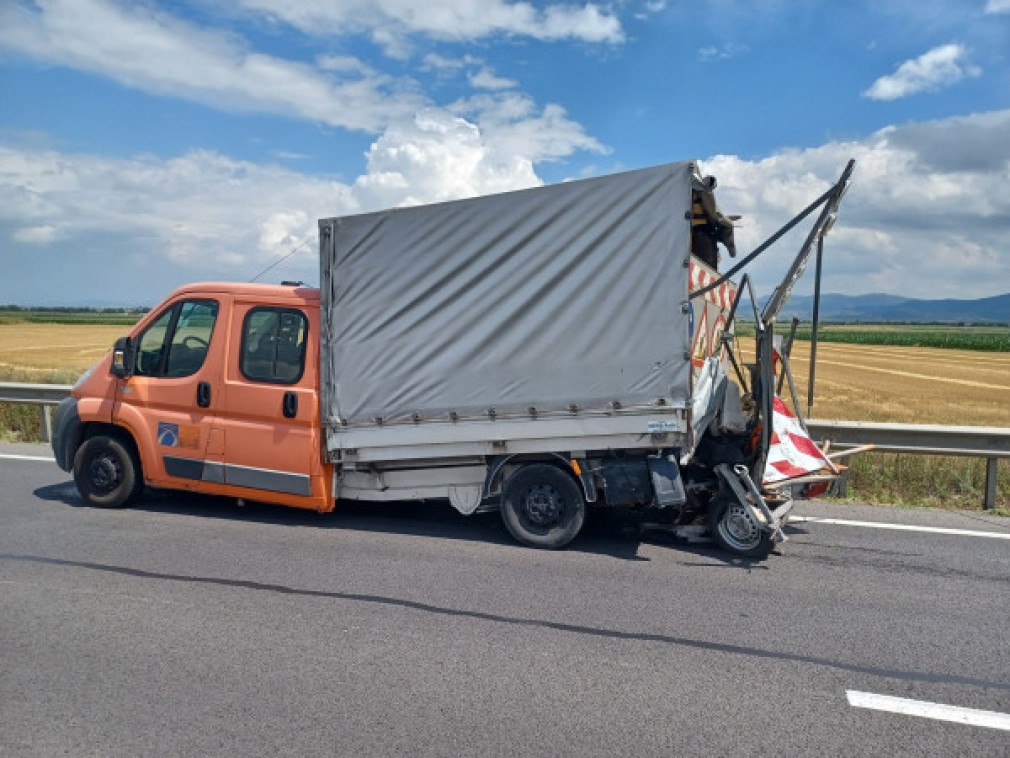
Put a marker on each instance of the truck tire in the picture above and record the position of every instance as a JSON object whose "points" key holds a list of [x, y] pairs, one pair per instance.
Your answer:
{"points": [[107, 472], [735, 530], [542, 506]]}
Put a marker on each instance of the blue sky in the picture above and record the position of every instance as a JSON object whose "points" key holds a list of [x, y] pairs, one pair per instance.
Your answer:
{"points": [[147, 144]]}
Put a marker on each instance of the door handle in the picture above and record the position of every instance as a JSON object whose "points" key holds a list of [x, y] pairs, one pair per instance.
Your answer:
{"points": [[290, 405], [203, 394]]}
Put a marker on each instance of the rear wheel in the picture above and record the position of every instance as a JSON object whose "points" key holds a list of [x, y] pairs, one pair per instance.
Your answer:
{"points": [[106, 472], [735, 529], [542, 507]]}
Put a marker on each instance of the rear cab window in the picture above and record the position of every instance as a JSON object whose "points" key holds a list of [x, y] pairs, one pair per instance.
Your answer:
{"points": [[273, 345]]}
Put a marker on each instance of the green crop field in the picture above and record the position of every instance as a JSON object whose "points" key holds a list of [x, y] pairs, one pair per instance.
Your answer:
{"points": [[68, 317], [990, 339]]}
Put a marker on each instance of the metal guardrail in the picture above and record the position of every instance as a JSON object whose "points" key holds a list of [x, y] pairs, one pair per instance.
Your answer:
{"points": [[33, 394], [991, 443], [46, 396]]}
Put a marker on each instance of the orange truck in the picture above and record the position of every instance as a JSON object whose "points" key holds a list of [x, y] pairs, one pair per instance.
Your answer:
{"points": [[538, 351]]}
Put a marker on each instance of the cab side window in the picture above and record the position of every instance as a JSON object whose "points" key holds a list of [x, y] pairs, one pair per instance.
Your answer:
{"points": [[273, 345], [176, 344]]}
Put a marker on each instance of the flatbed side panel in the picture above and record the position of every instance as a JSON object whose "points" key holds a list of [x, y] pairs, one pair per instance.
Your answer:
{"points": [[560, 296], [448, 440]]}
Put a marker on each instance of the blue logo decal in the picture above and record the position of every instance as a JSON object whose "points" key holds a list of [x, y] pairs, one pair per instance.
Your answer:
{"points": [[168, 434]]}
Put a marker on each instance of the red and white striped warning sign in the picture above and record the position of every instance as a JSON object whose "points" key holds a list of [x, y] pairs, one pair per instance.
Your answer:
{"points": [[792, 453], [702, 276]]}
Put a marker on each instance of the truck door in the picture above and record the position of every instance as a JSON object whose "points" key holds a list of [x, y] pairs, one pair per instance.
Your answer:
{"points": [[169, 400], [269, 425]]}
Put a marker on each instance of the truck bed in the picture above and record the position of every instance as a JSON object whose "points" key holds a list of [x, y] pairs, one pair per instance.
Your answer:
{"points": [[554, 318]]}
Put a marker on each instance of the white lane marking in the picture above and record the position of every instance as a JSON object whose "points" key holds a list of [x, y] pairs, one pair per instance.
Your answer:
{"points": [[27, 458], [900, 527], [926, 710]]}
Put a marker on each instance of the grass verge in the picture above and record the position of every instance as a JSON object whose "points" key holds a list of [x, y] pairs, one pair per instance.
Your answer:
{"points": [[949, 482]]}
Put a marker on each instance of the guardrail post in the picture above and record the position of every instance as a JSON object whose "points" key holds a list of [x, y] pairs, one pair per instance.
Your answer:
{"points": [[46, 423], [842, 482], [990, 483]]}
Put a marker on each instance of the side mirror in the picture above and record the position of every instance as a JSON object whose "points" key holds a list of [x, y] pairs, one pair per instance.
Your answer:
{"points": [[122, 358]]}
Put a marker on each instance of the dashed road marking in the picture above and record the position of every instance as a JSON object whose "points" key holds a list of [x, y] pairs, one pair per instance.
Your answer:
{"points": [[13, 457], [900, 527], [927, 710]]}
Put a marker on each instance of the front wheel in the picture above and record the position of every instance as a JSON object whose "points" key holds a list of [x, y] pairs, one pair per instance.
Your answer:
{"points": [[542, 506], [106, 472], [735, 529]]}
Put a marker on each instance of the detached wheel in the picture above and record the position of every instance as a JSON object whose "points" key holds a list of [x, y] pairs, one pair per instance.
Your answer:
{"points": [[542, 507], [107, 473], [735, 529]]}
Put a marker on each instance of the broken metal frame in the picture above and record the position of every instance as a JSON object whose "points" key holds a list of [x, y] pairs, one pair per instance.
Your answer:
{"points": [[764, 391]]}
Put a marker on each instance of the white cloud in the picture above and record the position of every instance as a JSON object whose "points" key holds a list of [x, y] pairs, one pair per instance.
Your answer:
{"points": [[915, 222], [217, 217], [38, 235], [511, 123], [444, 63], [202, 211], [438, 156], [935, 69], [390, 21], [997, 6], [725, 52], [486, 79], [159, 53], [921, 219], [156, 52]]}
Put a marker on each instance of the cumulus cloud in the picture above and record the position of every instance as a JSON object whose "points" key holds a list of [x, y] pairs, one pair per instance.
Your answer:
{"points": [[438, 156], [391, 21], [148, 49], [940, 67], [922, 218], [486, 79], [512, 123], [159, 53], [205, 215], [916, 222], [201, 211]]}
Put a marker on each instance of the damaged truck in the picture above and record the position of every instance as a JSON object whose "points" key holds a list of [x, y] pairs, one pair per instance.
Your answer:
{"points": [[540, 352]]}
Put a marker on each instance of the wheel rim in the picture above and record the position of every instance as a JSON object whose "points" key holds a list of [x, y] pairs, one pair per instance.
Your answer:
{"points": [[543, 506], [105, 473], [738, 528]]}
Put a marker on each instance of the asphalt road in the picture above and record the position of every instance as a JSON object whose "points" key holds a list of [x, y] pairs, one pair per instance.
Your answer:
{"points": [[188, 626]]}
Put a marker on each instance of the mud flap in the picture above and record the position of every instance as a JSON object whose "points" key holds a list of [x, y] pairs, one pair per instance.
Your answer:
{"points": [[667, 486]]}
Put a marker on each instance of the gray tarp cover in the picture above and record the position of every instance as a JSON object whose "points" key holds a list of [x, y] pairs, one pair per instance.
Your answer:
{"points": [[547, 297]]}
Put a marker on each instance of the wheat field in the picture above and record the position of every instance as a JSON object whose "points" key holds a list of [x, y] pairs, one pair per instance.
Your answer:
{"points": [[911, 385], [53, 352]]}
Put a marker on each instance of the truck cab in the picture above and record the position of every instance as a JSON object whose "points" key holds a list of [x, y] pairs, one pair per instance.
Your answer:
{"points": [[215, 391]]}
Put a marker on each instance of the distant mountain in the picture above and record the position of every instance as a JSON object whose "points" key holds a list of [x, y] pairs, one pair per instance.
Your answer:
{"points": [[881, 308]]}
